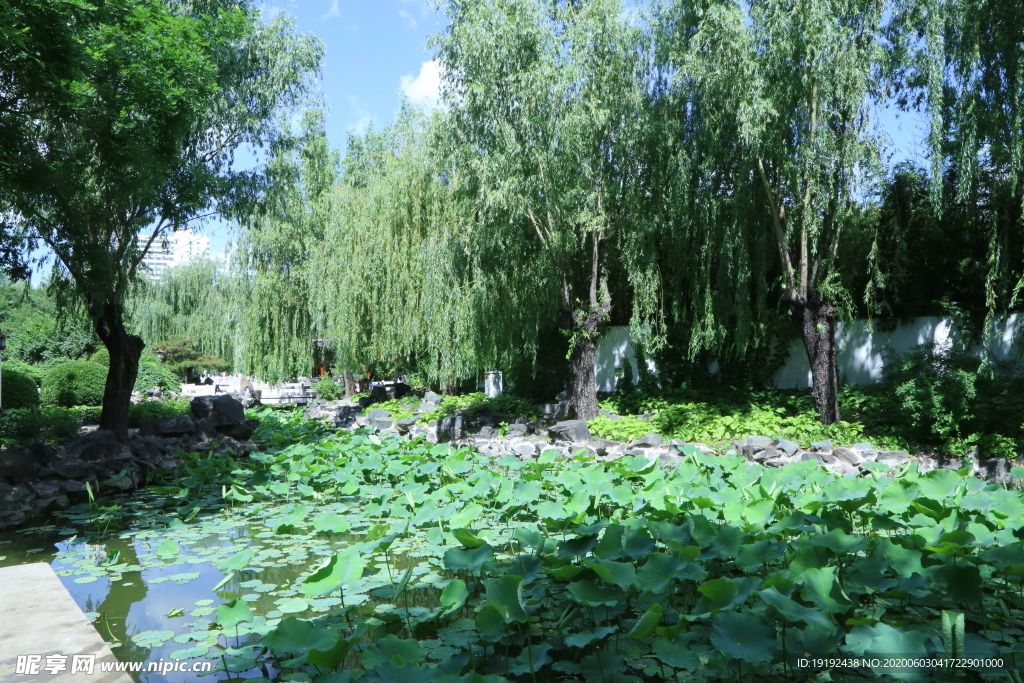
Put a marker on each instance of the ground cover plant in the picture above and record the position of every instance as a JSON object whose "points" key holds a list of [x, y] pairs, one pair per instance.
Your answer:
{"points": [[354, 557]]}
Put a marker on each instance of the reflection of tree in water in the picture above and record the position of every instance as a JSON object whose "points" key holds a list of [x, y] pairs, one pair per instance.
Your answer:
{"points": [[118, 602]]}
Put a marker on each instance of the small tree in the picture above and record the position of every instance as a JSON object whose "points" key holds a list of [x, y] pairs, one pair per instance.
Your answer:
{"points": [[144, 143], [184, 359]]}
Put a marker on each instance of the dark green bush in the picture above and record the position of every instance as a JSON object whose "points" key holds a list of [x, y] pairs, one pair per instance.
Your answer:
{"points": [[75, 383], [149, 410], [51, 425], [33, 372], [17, 390], [88, 415], [153, 373], [327, 389]]}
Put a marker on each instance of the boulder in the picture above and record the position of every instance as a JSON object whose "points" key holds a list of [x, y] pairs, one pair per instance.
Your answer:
{"points": [[178, 425], [47, 488], [431, 397], [523, 449], [825, 445], [649, 440], [382, 423], [515, 430], [69, 468], [427, 407], [750, 450], [892, 458], [787, 447], [376, 413], [863, 446], [205, 429], [563, 395], [603, 447], [223, 410], [241, 431], [849, 456], [449, 429], [346, 415], [405, 425], [570, 430], [670, 461], [759, 440], [24, 461], [487, 432], [765, 454], [98, 445]]}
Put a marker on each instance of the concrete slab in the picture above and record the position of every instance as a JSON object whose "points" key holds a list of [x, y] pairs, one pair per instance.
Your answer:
{"points": [[39, 617]]}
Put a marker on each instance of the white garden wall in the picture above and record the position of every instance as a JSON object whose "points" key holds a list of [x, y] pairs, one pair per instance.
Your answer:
{"points": [[859, 350]]}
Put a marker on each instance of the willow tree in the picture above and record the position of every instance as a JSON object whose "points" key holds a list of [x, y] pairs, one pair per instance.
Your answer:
{"points": [[964, 69], [166, 93], [394, 282], [547, 108], [275, 325], [775, 99], [193, 301]]}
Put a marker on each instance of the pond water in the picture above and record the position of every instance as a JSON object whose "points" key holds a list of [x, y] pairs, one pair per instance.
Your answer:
{"points": [[152, 587]]}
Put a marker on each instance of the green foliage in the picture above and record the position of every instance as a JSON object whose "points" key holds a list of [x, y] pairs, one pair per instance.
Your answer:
{"points": [[19, 389], [77, 382], [328, 389], [149, 410], [50, 424], [705, 567], [933, 389], [154, 373]]}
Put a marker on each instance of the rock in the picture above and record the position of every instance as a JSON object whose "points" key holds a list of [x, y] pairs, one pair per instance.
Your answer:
{"points": [[406, 424], [431, 397], [148, 449], [47, 488], [346, 415], [487, 432], [604, 447], [11, 518], [842, 468], [205, 429], [670, 461], [382, 423], [59, 502], [765, 454], [427, 407], [862, 446], [646, 416], [74, 486], [223, 410], [70, 468], [168, 426], [750, 450], [449, 429], [996, 470], [892, 458], [523, 449], [782, 460], [849, 456], [759, 440], [241, 431], [570, 430], [787, 447], [24, 462], [825, 445], [823, 458], [376, 413], [21, 471], [98, 445], [515, 430], [563, 395], [390, 432], [649, 440]]}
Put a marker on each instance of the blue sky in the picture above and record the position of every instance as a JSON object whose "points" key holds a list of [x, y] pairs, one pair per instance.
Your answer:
{"points": [[374, 52]]}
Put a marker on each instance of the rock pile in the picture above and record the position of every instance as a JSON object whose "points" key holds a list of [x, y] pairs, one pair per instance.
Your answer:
{"points": [[37, 478], [526, 439]]}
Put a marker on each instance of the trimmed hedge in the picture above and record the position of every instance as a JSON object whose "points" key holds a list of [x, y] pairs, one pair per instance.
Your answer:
{"points": [[18, 390], [75, 383]]}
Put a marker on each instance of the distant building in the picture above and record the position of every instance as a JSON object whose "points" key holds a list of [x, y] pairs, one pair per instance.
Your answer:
{"points": [[174, 249]]}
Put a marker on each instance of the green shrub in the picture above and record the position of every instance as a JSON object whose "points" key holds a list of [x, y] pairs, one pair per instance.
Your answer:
{"points": [[153, 373], [34, 372], [50, 424], [75, 383], [149, 410], [17, 390], [88, 415], [327, 389], [102, 357]]}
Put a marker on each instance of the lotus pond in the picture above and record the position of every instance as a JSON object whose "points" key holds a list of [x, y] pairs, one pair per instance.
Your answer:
{"points": [[343, 556]]}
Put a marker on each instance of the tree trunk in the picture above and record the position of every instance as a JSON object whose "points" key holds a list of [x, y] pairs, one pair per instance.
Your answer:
{"points": [[583, 402], [125, 350], [451, 388], [818, 328], [350, 386]]}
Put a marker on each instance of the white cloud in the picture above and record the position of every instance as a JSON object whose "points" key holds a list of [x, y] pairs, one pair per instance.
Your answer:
{"points": [[425, 89], [334, 11], [359, 127], [413, 24]]}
